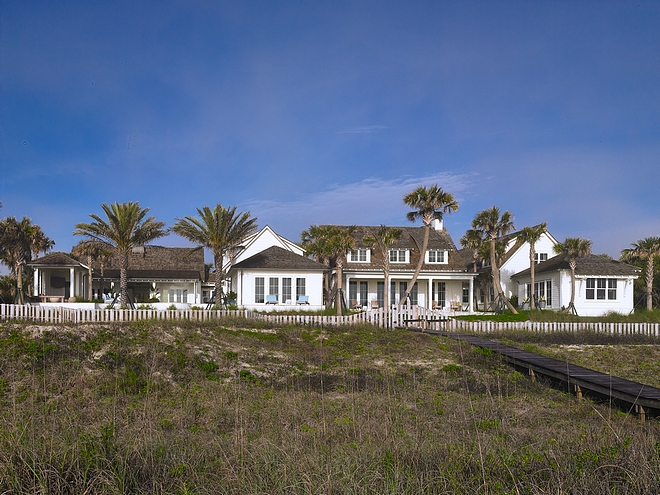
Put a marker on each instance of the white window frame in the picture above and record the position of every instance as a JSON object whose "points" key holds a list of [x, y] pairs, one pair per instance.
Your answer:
{"points": [[396, 258], [601, 289], [444, 255], [540, 257], [359, 256]]}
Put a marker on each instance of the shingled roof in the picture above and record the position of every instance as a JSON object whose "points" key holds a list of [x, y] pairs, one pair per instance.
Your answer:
{"points": [[158, 262], [412, 238], [56, 259], [277, 258], [590, 265]]}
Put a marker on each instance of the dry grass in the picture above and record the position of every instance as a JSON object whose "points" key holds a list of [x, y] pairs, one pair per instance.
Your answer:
{"points": [[226, 408]]}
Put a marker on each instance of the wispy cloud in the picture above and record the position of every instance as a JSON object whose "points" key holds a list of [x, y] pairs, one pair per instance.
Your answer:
{"points": [[367, 202], [365, 129]]}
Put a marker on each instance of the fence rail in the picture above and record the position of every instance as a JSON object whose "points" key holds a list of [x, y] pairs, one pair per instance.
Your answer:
{"points": [[407, 316]]}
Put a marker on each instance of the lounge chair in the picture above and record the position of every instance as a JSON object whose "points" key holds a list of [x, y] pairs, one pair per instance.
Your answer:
{"points": [[355, 304], [302, 300], [271, 299], [374, 304]]}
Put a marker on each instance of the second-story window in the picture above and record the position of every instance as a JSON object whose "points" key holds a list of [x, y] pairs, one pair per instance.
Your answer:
{"points": [[539, 257], [359, 256], [399, 256], [436, 256]]}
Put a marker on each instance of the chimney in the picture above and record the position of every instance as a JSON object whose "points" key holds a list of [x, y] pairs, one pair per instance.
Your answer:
{"points": [[437, 224]]}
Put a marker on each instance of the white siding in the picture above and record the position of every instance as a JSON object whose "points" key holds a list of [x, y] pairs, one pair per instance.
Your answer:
{"points": [[519, 261]]}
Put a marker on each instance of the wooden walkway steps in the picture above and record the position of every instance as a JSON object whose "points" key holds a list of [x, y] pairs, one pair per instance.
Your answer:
{"points": [[642, 399]]}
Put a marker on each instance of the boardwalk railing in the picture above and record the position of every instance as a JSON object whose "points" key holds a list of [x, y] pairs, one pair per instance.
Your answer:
{"points": [[406, 316]]}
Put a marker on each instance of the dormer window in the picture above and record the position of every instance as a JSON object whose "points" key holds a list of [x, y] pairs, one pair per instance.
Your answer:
{"points": [[436, 256], [399, 256], [539, 257], [359, 256]]}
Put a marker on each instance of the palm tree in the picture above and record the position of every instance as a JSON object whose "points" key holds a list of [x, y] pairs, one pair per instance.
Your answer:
{"points": [[493, 226], [339, 244], [15, 249], [39, 242], [474, 241], [91, 250], [644, 249], [383, 238], [532, 235], [572, 249], [220, 230], [315, 241], [429, 203], [124, 228]]}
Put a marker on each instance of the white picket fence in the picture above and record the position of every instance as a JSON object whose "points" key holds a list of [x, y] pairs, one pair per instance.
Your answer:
{"points": [[413, 316]]}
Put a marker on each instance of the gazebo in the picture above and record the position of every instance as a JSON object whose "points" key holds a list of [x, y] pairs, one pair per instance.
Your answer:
{"points": [[58, 278]]}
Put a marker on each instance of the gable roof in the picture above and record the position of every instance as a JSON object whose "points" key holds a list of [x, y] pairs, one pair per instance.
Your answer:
{"points": [[590, 265], [56, 259], [256, 242], [277, 258], [158, 262]]}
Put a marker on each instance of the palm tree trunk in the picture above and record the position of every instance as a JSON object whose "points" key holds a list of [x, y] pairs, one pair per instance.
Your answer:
{"points": [[496, 278], [217, 261], [418, 269], [386, 291], [339, 300], [649, 282], [19, 284], [532, 292], [123, 279], [89, 278], [571, 305]]}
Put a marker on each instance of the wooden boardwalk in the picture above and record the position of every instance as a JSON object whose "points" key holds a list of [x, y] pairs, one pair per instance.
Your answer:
{"points": [[639, 398]]}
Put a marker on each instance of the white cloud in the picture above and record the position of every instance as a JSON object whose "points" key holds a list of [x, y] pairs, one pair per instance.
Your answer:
{"points": [[367, 202], [365, 129]]}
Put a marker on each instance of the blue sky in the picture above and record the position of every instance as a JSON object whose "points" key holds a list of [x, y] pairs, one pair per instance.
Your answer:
{"points": [[329, 112]]}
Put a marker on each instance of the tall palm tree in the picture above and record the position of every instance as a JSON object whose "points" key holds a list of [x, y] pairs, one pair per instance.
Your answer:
{"points": [[340, 243], [383, 239], [315, 241], [474, 241], [220, 230], [644, 249], [90, 250], [532, 235], [429, 203], [494, 225], [573, 248], [124, 228], [15, 249]]}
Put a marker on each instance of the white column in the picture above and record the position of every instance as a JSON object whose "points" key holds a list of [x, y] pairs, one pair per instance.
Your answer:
{"points": [[36, 281], [470, 307], [72, 282]]}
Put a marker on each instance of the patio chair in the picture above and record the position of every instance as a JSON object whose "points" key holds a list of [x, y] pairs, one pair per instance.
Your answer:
{"points": [[271, 299], [374, 304], [355, 304], [302, 300]]}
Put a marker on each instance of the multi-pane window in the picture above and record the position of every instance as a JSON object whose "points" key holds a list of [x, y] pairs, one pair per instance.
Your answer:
{"points": [[601, 288], [380, 294], [274, 287], [359, 256], [259, 296], [398, 256], [436, 256], [413, 295], [300, 287], [439, 293], [543, 291], [403, 286], [178, 295], [466, 293], [286, 289], [538, 257]]}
